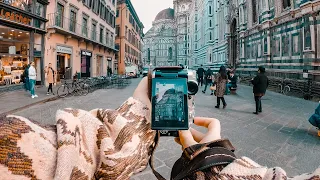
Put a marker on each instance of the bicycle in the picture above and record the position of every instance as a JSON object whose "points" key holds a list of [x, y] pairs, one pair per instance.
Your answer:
{"points": [[73, 88], [283, 88]]}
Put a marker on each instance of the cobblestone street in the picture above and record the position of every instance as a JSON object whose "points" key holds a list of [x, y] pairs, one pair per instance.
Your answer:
{"points": [[280, 136]]}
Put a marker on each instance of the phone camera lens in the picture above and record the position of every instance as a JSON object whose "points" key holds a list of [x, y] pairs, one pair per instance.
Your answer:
{"points": [[192, 88]]}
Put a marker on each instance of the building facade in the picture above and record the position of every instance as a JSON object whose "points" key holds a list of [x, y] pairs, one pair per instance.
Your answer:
{"points": [[81, 37], [166, 43], [22, 33], [129, 32], [282, 36], [208, 44]]}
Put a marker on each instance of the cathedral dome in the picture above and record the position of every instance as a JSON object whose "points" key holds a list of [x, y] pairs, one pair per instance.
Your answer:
{"points": [[165, 14]]}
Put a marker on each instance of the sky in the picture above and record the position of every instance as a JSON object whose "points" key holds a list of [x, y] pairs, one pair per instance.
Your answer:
{"points": [[147, 10]]}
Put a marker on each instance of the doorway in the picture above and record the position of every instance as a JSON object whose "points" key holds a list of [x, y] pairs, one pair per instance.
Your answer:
{"points": [[60, 67], [85, 66], [99, 66], [233, 44]]}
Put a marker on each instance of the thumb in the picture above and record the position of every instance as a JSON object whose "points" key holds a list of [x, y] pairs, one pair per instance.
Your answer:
{"points": [[186, 139]]}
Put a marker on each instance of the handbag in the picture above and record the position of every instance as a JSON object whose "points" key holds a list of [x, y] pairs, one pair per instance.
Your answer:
{"points": [[213, 87]]}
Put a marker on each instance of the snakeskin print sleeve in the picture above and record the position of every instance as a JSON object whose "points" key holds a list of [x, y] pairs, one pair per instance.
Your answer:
{"points": [[100, 144]]}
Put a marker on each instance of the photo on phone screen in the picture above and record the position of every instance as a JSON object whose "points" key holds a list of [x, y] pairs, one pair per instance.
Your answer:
{"points": [[169, 104]]}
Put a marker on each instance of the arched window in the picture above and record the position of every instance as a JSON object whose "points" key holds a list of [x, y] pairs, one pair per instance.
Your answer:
{"points": [[209, 9], [210, 58], [149, 54], [210, 23], [254, 11], [210, 35], [170, 53], [183, 7], [286, 4]]}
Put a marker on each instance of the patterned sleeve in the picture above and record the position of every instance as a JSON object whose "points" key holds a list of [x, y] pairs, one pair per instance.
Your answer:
{"points": [[100, 144], [246, 169]]}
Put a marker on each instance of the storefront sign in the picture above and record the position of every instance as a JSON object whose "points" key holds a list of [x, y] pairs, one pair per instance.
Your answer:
{"points": [[14, 16], [86, 53], [62, 49]]}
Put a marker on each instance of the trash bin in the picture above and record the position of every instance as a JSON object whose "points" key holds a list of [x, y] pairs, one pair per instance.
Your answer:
{"points": [[79, 75]]}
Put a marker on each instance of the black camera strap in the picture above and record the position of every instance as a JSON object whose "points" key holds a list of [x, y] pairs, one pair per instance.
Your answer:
{"points": [[156, 141]]}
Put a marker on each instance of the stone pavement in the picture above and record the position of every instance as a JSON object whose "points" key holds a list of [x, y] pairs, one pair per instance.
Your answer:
{"points": [[280, 136], [15, 100]]}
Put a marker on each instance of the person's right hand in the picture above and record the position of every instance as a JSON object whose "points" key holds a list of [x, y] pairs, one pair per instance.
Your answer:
{"points": [[191, 137]]}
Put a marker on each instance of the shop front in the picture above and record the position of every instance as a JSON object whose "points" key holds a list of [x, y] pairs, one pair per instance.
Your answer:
{"points": [[86, 63], [22, 30], [63, 64]]}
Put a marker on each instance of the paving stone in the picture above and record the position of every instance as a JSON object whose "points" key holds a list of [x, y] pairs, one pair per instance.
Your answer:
{"points": [[275, 127], [170, 162], [146, 176], [164, 171], [262, 123]]}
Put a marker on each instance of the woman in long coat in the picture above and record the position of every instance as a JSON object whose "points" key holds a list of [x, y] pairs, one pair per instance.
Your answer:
{"points": [[221, 81], [50, 78]]}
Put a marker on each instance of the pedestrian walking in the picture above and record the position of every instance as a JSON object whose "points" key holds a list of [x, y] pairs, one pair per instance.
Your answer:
{"points": [[26, 78], [208, 80], [200, 73], [221, 81], [32, 80], [50, 77], [260, 84]]}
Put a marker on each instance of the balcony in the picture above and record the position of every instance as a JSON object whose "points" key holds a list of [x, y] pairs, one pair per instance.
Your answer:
{"points": [[71, 28]]}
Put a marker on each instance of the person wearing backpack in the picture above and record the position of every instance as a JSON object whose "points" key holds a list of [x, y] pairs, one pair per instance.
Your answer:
{"points": [[25, 78]]}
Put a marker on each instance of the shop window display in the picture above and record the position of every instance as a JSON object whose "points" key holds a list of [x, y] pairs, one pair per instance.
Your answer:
{"points": [[14, 54], [21, 4]]}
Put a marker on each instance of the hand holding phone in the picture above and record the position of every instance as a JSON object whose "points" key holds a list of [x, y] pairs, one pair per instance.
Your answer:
{"points": [[172, 101]]}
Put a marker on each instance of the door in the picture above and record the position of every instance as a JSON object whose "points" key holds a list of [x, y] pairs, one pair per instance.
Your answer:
{"points": [[60, 67], [99, 66], [73, 21], [59, 15], [85, 66]]}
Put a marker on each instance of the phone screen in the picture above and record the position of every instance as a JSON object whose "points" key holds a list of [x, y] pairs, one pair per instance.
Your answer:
{"points": [[169, 104]]}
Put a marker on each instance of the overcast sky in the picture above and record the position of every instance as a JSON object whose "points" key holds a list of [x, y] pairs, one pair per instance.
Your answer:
{"points": [[148, 9]]}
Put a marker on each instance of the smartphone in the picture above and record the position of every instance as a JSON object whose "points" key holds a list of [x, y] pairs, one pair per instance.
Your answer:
{"points": [[169, 104]]}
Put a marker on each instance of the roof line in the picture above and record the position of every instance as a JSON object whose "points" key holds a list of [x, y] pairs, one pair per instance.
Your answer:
{"points": [[133, 11]]}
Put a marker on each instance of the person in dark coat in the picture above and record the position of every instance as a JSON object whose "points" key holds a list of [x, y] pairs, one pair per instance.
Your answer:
{"points": [[200, 73], [260, 84], [232, 81], [208, 78], [26, 78], [221, 82]]}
